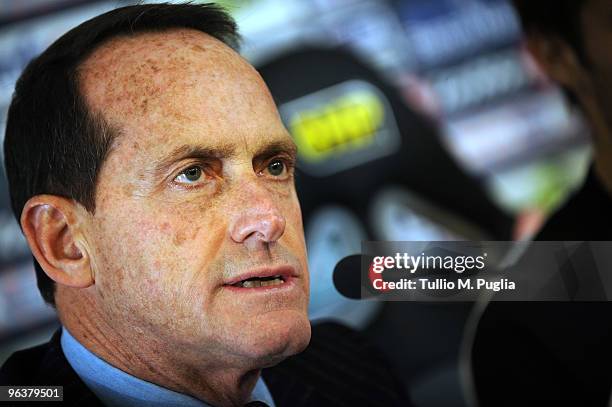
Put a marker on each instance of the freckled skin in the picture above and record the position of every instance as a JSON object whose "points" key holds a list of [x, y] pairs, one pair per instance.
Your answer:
{"points": [[160, 253]]}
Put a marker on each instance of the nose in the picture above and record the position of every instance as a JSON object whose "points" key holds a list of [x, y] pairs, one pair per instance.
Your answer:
{"points": [[261, 221]]}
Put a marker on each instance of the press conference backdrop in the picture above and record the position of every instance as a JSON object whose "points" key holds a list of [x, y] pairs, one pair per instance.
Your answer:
{"points": [[457, 66]]}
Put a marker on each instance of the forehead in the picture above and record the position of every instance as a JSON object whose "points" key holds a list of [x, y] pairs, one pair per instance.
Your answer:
{"points": [[172, 86]]}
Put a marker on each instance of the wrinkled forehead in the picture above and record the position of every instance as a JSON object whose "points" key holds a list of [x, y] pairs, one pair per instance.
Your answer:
{"points": [[155, 80]]}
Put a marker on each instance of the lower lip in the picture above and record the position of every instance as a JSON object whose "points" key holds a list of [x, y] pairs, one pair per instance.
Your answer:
{"points": [[288, 284]]}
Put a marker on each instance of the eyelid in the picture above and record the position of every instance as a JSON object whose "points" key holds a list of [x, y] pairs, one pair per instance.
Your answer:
{"points": [[206, 175], [287, 160]]}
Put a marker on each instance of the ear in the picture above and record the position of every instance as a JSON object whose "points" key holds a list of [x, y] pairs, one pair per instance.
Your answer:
{"points": [[51, 227], [558, 60]]}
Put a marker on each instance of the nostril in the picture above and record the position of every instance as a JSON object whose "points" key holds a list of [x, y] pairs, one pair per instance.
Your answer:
{"points": [[258, 227], [259, 236]]}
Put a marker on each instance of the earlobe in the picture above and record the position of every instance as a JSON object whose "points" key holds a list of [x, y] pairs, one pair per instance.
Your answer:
{"points": [[50, 226]]}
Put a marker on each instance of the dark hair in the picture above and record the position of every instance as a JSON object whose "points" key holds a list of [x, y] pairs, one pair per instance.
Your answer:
{"points": [[54, 144], [554, 17]]}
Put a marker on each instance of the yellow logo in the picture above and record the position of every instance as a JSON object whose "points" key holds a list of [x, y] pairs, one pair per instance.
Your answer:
{"points": [[341, 127], [347, 123]]}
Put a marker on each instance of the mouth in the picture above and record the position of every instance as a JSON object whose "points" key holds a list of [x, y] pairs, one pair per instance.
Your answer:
{"points": [[263, 279], [260, 282]]}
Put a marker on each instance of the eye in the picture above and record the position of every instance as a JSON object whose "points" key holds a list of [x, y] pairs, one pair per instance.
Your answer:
{"points": [[189, 175], [276, 167]]}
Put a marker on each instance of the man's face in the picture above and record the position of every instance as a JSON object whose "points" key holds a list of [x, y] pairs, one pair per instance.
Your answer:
{"points": [[196, 194]]}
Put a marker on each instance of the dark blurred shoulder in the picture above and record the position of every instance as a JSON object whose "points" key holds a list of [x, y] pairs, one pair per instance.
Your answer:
{"points": [[46, 365], [587, 215], [340, 367], [23, 366]]}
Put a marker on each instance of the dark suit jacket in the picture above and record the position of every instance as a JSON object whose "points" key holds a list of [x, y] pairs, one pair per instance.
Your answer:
{"points": [[337, 369]]}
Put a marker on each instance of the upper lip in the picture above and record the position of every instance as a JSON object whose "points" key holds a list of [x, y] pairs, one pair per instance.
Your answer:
{"points": [[283, 271]]}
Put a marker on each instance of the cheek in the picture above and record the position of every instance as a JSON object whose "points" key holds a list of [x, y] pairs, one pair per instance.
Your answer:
{"points": [[161, 281], [294, 230], [153, 259], [290, 208]]}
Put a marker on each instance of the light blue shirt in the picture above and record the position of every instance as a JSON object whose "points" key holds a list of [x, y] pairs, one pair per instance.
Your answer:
{"points": [[115, 388]]}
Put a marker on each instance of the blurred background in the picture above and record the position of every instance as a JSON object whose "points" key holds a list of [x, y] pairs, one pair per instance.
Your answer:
{"points": [[415, 120]]}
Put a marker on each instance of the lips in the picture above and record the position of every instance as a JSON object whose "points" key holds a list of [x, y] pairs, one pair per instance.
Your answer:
{"points": [[263, 278]]}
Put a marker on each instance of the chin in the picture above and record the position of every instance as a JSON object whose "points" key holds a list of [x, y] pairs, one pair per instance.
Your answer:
{"points": [[275, 336]]}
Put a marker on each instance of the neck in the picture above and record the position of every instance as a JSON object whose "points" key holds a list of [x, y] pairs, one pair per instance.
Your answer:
{"points": [[143, 355]]}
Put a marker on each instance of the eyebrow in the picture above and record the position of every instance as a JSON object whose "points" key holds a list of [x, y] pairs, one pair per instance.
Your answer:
{"points": [[192, 151], [276, 147], [204, 153]]}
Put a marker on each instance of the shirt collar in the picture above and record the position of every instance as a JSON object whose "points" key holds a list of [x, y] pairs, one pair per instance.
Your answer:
{"points": [[114, 387]]}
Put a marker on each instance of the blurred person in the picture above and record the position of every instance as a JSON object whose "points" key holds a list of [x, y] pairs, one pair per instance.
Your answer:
{"points": [[153, 180], [569, 40], [559, 353]]}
